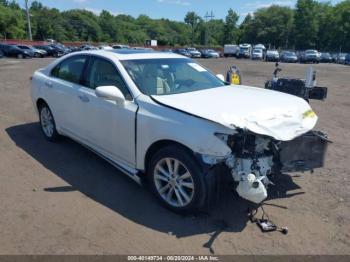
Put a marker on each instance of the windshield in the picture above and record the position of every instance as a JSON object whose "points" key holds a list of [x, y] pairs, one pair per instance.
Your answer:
{"points": [[289, 53], [244, 49], [170, 76], [311, 52]]}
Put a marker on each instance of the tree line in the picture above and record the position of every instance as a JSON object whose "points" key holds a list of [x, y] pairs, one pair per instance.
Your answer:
{"points": [[310, 24]]}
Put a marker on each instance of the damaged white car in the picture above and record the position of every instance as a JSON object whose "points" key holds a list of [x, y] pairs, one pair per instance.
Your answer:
{"points": [[165, 119]]}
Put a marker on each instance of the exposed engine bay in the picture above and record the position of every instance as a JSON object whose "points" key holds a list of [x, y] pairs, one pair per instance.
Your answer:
{"points": [[255, 158]]}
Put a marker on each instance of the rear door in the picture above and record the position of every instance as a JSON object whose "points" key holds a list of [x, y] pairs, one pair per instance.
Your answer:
{"points": [[108, 127]]}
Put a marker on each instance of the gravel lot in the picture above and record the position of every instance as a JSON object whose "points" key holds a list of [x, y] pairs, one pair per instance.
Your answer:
{"points": [[63, 199]]}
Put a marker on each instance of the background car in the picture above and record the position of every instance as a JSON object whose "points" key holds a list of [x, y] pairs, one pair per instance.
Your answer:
{"points": [[1, 54], [105, 47], [167, 50], [182, 51], [73, 49], [210, 53], [87, 47], [310, 56], [121, 47], [61, 48], [257, 54], [272, 55], [50, 50], [194, 52], [288, 57], [347, 59], [341, 58], [36, 52], [325, 58], [14, 51], [334, 57]]}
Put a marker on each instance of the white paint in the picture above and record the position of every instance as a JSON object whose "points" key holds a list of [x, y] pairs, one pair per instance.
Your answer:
{"points": [[259, 110]]}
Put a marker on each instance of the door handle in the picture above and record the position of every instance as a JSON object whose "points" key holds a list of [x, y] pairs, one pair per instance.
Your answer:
{"points": [[48, 84], [84, 98]]}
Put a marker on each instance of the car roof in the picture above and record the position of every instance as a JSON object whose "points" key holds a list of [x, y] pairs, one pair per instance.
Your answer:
{"points": [[131, 54]]}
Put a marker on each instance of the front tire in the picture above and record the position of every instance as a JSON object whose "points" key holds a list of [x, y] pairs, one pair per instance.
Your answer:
{"points": [[177, 181], [47, 123], [20, 56]]}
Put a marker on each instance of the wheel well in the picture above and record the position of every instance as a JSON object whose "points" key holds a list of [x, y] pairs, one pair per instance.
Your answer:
{"points": [[40, 102], [161, 144]]}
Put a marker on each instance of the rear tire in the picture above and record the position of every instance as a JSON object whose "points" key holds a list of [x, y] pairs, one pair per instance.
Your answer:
{"points": [[47, 123], [20, 56], [177, 181]]}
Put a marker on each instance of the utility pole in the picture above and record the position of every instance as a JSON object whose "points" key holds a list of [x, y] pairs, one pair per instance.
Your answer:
{"points": [[208, 17], [28, 22]]}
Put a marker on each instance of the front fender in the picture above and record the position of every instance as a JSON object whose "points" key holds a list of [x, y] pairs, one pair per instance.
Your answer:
{"points": [[155, 122]]}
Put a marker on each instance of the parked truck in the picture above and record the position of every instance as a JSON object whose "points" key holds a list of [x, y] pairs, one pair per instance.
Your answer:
{"points": [[245, 51]]}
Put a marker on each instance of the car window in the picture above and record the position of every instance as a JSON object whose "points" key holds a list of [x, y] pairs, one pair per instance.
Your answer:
{"points": [[170, 76], [70, 69], [103, 73]]}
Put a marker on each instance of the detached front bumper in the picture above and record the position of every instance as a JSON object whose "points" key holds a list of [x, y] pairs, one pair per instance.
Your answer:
{"points": [[303, 153]]}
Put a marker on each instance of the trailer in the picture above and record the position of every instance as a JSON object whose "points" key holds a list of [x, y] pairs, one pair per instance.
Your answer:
{"points": [[231, 50]]}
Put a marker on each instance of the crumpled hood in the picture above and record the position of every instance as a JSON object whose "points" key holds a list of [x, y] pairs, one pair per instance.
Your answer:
{"points": [[258, 110]]}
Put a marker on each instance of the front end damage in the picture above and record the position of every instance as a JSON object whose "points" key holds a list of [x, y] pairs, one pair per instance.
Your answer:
{"points": [[256, 158]]}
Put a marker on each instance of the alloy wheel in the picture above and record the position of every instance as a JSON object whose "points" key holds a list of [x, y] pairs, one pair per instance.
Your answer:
{"points": [[174, 182], [47, 122]]}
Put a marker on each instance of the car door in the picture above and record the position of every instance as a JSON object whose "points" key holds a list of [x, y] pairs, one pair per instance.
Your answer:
{"points": [[62, 94], [109, 127]]}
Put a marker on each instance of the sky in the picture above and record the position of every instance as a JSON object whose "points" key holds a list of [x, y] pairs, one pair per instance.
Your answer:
{"points": [[171, 9]]}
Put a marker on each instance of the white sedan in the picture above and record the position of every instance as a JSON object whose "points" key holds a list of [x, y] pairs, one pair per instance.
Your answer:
{"points": [[163, 118]]}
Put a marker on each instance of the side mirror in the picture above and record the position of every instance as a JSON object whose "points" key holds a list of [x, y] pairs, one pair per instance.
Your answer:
{"points": [[221, 77], [110, 93]]}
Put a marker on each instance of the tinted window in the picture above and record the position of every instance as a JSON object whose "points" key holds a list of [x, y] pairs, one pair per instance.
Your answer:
{"points": [[70, 69], [103, 73]]}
